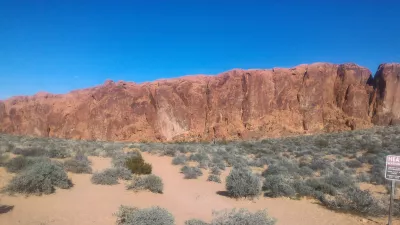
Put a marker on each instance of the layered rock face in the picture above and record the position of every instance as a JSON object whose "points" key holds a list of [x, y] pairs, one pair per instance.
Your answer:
{"points": [[238, 104]]}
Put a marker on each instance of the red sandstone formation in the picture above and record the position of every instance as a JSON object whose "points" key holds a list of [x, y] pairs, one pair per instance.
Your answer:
{"points": [[238, 104]]}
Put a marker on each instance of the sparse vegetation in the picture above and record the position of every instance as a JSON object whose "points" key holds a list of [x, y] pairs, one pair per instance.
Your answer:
{"points": [[79, 164], [242, 182], [40, 178], [242, 217], [327, 167], [191, 172], [137, 165], [214, 178], [106, 177], [149, 216], [151, 182]]}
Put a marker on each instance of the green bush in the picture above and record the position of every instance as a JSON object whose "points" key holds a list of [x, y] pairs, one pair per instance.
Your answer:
{"points": [[242, 217], [40, 178], [77, 166], [30, 152], [278, 185], [191, 172], [354, 163], [243, 183], [149, 216], [57, 153], [195, 222], [106, 177], [214, 178], [339, 180], [151, 182], [179, 160], [355, 200], [137, 165], [17, 164]]}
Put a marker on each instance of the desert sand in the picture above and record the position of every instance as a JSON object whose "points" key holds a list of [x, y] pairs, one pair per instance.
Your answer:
{"points": [[86, 203]]}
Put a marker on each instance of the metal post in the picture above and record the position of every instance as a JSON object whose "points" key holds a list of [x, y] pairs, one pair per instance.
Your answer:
{"points": [[391, 202]]}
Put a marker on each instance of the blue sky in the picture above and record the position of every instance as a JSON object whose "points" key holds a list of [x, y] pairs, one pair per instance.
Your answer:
{"points": [[58, 46]]}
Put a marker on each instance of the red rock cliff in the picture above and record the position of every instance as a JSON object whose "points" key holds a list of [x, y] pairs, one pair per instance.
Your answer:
{"points": [[238, 104]]}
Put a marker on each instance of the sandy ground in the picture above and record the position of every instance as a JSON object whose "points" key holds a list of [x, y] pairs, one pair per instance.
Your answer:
{"points": [[86, 203]]}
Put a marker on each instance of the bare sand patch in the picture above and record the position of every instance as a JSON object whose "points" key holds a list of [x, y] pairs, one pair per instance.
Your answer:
{"points": [[86, 203]]}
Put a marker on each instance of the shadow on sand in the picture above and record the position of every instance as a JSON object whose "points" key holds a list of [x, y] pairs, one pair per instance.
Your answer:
{"points": [[5, 208]]}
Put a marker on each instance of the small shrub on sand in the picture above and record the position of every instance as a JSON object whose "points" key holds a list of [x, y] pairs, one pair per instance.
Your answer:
{"points": [[354, 163], [243, 183], [195, 222], [242, 217], [179, 160], [40, 178], [30, 152], [215, 171], [137, 165], [214, 178], [148, 216], [77, 166], [191, 172], [355, 200], [278, 185], [106, 177], [17, 164], [57, 153], [151, 182]]}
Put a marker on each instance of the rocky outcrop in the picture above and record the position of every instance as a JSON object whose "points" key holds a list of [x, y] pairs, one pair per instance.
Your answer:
{"points": [[238, 104]]}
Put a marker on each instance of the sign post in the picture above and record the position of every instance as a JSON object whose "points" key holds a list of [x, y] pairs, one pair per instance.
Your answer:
{"points": [[392, 172]]}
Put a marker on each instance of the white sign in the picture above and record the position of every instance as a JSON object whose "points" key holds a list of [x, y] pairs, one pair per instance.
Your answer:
{"points": [[392, 170]]}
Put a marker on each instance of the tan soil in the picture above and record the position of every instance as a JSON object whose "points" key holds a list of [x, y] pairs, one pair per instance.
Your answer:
{"points": [[86, 203]]}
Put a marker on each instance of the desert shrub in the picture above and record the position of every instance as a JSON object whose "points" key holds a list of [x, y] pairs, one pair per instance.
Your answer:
{"points": [[242, 217], [339, 180], [40, 178], [137, 165], [278, 185], [30, 152], [57, 153], [214, 178], [243, 183], [321, 142], [320, 185], [195, 222], [77, 166], [354, 163], [215, 171], [151, 182], [149, 216], [340, 165], [169, 152], [17, 164], [106, 177], [378, 173], [355, 200], [306, 171], [119, 159], [123, 173], [191, 172], [3, 158], [363, 177], [203, 164], [179, 160], [198, 157], [319, 164], [221, 165], [303, 189]]}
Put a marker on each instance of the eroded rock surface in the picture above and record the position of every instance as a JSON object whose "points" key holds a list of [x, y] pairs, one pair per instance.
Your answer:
{"points": [[238, 104]]}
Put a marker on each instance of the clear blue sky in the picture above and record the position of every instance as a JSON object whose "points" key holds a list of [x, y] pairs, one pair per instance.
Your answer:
{"points": [[57, 46]]}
